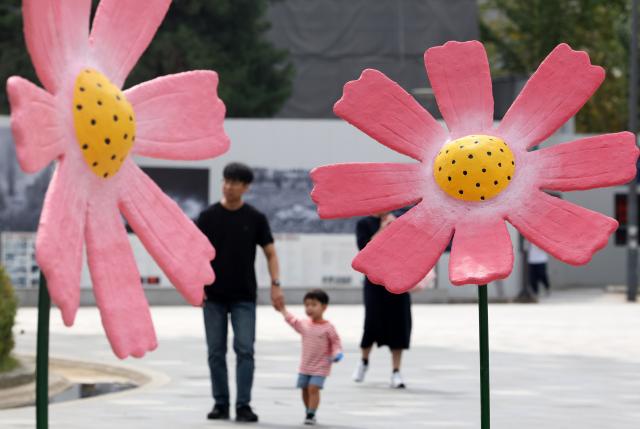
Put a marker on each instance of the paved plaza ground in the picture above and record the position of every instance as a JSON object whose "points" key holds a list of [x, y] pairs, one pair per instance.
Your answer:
{"points": [[572, 361]]}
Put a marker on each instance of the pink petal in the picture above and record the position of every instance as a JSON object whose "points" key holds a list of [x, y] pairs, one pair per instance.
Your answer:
{"points": [[569, 232], [403, 253], [481, 251], [461, 81], [116, 282], [60, 238], [557, 90], [56, 33], [121, 32], [179, 117], [383, 110], [588, 163], [35, 125], [174, 241], [345, 190]]}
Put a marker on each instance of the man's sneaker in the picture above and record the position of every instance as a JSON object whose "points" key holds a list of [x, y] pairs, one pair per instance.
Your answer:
{"points": [[396, 380], [310, 420], [360, 372], [219, 413], [245, 414]]}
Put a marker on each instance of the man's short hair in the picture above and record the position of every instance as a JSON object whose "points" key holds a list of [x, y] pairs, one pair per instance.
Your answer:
{"points": [[239, 172], [318, 295]]}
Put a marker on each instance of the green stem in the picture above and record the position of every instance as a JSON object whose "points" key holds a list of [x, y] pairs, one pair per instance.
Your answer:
{"points": [[42, 356], [484, 357]]}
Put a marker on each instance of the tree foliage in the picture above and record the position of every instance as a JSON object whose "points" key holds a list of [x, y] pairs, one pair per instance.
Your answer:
{"points": [[520, 34], [227, 36], [8, 305]]}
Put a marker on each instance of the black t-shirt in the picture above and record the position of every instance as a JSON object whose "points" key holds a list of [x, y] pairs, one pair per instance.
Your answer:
{"points": [[235, 235]]}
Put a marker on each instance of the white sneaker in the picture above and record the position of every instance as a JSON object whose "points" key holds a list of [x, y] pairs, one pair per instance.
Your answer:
{"points": [[360, 372], [396, 381]]}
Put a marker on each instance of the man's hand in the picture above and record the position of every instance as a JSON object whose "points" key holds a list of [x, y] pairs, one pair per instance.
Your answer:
{"points": [[277, 298]]}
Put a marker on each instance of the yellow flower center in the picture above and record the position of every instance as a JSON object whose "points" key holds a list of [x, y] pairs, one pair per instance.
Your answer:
{"points": [[474, 168], [104, 122]]}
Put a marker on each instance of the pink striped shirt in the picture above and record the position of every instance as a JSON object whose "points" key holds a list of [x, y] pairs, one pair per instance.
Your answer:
{"points": [[320, 343]]}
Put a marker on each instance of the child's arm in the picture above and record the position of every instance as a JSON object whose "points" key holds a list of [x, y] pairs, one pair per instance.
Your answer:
{"points": [[335, 345], [292, 320]]}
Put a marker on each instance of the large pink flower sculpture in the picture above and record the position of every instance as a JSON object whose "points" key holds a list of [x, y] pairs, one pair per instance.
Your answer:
{"points": [[91, 127], [473, 177]]}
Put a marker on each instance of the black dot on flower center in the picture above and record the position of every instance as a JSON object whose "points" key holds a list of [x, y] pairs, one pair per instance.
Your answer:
{"points": [[99, 85], [484, 170], [513, 163], [461, 147], [489, 153], [107, 140], [453, 162], [126, 136], [499, 164], [439, 168], [93, 122], [113, 157], [501, 150], [81, 89], [477, 185], [476, 142], [461, 192], [105, 175], [482, 198], [99, 102], [508, 177], [118, 97], [495, 182], [79, 107], [464, 172], [95, 164], [470, 156], [115, 118], [85, 146], [449, 178], [130, 118]]}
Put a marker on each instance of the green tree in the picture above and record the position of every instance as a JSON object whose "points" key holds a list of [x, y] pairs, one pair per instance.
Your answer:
{"points": [[520, 34], [8, 305], [227, 36]]}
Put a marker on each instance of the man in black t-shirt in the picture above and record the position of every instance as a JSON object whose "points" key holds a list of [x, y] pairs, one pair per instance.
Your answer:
{"points": [[235, 229]]}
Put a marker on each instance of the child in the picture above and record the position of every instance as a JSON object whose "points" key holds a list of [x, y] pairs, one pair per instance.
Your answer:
{"points": [[320, 347]]}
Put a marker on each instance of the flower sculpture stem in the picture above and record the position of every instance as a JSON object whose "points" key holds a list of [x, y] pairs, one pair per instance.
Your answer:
{"points": [[484, 357], [42, 356]]}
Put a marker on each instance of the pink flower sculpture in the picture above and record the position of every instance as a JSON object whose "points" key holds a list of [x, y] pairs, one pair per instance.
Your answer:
{"points": [[471, 179], [90, 126]]}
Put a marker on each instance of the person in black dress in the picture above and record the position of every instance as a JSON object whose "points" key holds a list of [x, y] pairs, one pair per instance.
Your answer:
{"points": [[387, 320]]}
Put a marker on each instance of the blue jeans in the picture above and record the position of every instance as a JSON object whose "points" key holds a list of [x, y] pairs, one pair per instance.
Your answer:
{"points": [[243, 321]]}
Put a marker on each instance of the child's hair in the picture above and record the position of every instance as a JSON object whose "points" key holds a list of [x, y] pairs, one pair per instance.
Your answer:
{"points": [[237, 171], [317, 294]]}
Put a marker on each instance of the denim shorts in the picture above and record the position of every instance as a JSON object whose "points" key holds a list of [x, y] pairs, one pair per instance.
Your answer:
{"points": [[304, 380]]}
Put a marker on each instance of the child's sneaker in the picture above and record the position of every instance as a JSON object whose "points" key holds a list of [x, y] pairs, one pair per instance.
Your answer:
{"points": [[396, 380], [360, 372], [310, 420]]}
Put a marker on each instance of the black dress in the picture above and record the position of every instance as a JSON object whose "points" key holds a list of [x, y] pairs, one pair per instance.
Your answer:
{"points": [[387, 320]]}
